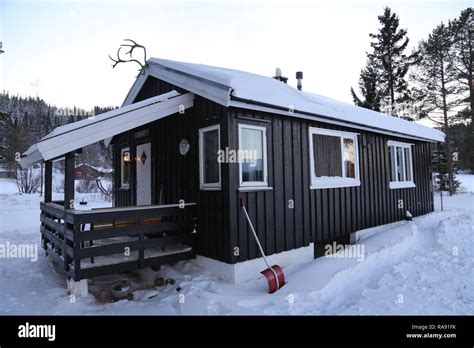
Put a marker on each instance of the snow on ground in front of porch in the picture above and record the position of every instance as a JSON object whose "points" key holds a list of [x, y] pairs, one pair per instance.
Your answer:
{"points": [[408, 268]]}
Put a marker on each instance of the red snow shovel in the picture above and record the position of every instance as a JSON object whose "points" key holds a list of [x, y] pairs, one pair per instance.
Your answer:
{"points": [[274, 274]]}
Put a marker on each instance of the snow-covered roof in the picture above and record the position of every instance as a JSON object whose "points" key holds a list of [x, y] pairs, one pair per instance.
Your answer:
{"points": [[78, 134], [234, 88]]}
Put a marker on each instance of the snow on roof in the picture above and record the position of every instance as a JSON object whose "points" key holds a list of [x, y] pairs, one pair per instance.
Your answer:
{"points": [[107, 115], [78, 134], [236, 88]]}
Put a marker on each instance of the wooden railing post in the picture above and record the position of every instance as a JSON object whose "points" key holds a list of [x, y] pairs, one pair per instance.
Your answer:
{"points": [[48, 181], [76, 246], [69, 188]]}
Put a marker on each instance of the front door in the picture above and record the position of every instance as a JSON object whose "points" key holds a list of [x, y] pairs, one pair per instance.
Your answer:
{"points": [[144, 174]]}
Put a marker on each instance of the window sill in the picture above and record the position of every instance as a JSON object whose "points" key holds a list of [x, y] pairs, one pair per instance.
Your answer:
{"points": [[124, 188], [334, 183], [254, 188], [204, 188], [401, 184]]}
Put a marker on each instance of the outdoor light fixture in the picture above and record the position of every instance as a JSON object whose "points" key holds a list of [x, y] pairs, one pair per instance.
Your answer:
{"points": [[126, 156]]}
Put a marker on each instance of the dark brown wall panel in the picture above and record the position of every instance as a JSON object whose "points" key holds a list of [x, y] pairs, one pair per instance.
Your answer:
{"points": [[180, 174], [321, 215]]}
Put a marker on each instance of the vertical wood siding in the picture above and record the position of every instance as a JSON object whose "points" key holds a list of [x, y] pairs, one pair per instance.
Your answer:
{"points": [[180, 174], [319, 215]]}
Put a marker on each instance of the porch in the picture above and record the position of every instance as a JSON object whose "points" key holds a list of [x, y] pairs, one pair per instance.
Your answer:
{"points": [[105, 241]]}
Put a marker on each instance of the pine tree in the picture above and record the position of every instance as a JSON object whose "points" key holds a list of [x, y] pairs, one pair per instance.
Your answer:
{"points": [[461, 55], [4, 130], [436, 86], [389, 45], [368, 86], [25, 120], [15, 143]]}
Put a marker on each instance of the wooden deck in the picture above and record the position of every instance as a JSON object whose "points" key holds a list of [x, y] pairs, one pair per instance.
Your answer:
{"points": [[114, 240]]}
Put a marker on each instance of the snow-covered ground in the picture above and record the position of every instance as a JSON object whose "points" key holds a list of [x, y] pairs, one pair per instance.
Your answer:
{"points": [[420, 267]]}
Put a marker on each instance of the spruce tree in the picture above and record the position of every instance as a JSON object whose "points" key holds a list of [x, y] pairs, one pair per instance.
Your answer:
{"points": [[368, 86], [389, 45]]}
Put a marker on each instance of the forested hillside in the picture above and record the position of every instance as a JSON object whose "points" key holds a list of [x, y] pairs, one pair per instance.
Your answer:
{"points": [[25, 120]]}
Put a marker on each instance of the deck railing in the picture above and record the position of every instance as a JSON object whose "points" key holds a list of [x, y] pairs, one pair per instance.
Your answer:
{"points": [[113, 240]]}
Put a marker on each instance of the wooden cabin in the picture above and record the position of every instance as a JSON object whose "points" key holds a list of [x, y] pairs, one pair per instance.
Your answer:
{"points": [[85, 171], [190, 140]]}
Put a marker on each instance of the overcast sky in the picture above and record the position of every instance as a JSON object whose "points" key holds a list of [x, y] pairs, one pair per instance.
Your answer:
{"points": [[58, 49]]}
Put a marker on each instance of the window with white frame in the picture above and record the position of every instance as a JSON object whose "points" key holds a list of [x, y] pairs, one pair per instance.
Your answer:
{"points": [[400, 164], [252, 156], [334, 158], [125, 168], [209, 166]]}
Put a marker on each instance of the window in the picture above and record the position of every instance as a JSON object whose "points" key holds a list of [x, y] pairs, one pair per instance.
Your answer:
{"points": [[252, 155], [401, 165], [334, 159], [209, 167], [125, 168]]}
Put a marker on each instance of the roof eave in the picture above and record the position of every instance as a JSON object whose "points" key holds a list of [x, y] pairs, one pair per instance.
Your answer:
{"points": [[106, 125], [260, 106]]}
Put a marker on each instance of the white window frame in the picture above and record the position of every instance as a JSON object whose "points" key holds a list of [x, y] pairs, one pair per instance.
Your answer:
{"points": [[334, 182], [397, 184], [202, 184], [122, 185], [263, 183]]}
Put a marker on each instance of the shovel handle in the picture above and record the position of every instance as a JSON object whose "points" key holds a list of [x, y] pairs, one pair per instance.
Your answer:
{"points": [[255, 235], [270, 268]]}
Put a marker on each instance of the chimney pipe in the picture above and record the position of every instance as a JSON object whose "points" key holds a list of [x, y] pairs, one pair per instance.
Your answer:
{"points": [[299, 77], [278, 76]]}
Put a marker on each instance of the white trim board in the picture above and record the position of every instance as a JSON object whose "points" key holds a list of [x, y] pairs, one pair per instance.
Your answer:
{"points": [[215, 185], [250, 270], [254, 184], [85, 132], [397, 184], [322, 119], [334, 182], [219, 95]]}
